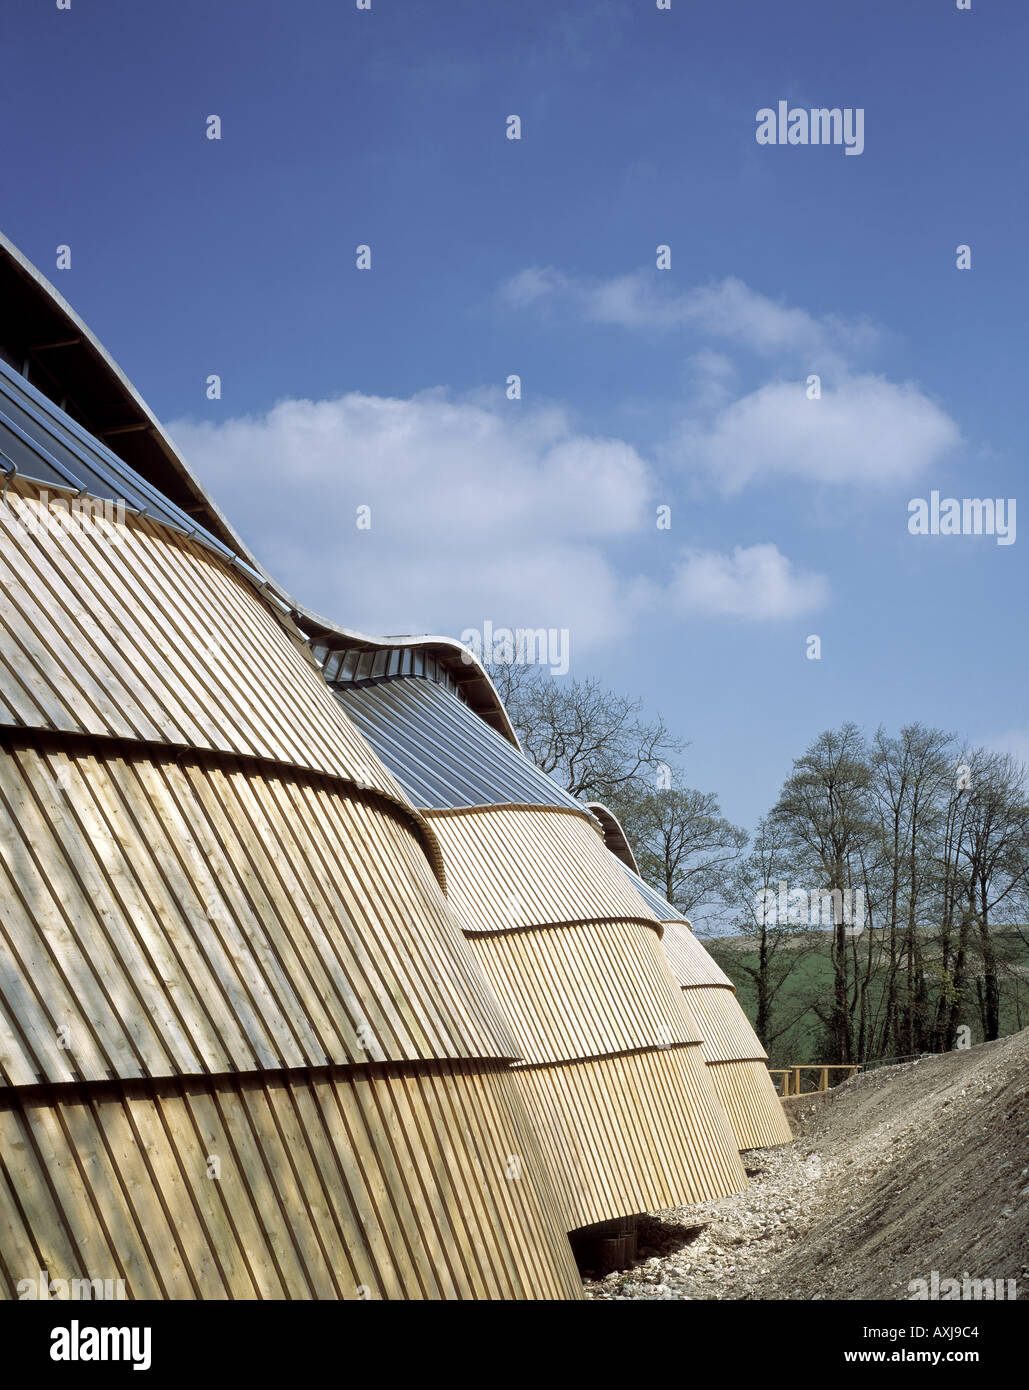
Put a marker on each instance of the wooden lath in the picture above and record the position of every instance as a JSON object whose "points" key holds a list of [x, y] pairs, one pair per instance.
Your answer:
{"points": [[614, 1076], [525, 866], [368, 1183], [732, 1049], [181, 919], [125, 629], [213, 892]]}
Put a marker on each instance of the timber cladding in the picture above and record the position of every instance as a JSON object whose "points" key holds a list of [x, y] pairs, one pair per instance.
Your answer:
{"points": [[567, 932], [367, 1183], [519, 866], [750, 1100], [569, 938], [245, 1048], [568, 994], [126, 629], [613, 1075], [691, 963], [179, 919], [731, 1048], [639, 1132]]}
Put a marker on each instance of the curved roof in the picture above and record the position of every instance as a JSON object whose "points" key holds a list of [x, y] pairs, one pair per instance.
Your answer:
{"points": [[437, 747], [41, 442], [656, 900], [348, 658], [103, 440], [614, 836], [45, 340]]}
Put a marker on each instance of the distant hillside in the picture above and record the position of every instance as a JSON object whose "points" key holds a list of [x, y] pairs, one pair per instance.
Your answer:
{"points": [[812, 978]]}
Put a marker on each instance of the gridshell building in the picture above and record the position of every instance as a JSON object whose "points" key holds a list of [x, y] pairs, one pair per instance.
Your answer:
{"points": [[612, 1070], [732, 1050], [311, 985]]}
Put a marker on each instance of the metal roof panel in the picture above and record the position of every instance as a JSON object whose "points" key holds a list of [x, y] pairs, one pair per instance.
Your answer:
{"points": [[442, 752]]}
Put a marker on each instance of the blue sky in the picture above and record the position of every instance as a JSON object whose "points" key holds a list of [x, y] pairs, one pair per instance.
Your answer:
{"points": [[641, 387]]}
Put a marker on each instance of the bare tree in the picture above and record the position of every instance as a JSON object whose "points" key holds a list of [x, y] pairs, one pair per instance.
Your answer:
{"points": [[997, 865], [779, 943], [912, 775], [682, 842], [599, 746], [591, 740], [825, 808], [936, 838]]}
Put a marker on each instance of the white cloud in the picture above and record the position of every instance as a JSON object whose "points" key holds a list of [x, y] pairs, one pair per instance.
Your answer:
{"points": [[864, 431], [755, 582], [732, 310], [478, 511], [531, 285], [712, 377], [729, 309]]}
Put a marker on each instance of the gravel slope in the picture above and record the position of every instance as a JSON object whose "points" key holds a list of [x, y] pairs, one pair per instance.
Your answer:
{"points": [[907, 1170]]}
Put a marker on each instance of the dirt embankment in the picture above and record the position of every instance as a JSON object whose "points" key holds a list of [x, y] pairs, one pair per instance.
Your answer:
{"points": [[895, 1174]]}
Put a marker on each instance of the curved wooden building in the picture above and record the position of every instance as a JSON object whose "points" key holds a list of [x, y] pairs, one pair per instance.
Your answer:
{"points": [[245, 1048], [738, 1062], [612, 1071]]}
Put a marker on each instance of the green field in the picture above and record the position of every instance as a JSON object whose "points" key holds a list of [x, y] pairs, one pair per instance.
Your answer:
{"points": [[811, 980]]}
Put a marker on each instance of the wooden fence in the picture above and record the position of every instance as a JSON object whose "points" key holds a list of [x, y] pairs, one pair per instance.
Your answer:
{"points": [[788, 1080]]}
